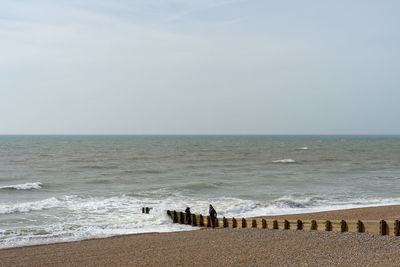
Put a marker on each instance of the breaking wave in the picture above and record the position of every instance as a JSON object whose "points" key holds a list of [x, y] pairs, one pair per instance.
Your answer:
{"points": [[303, 148], [26, 186], [284, 161], [29, 206], [90, 217]]}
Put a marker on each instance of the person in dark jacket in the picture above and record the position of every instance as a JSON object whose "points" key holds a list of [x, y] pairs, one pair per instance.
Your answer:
{"points": [[213, 215], [188, 215]]}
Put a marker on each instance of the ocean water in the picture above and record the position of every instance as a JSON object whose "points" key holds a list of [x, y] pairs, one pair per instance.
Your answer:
{"points": [[64, 188]]}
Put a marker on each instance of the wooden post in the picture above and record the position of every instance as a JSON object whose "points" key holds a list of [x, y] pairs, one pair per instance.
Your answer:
{"points": [[208, 221], [175, 220], [143, 210], [328, 226], [299, 225], [396, 228], [382, 227], [314, 225], [181, 218], [360, 226], [286, 225], [194, 221], [343, 226], [254, 223], [225, 222], [244, 223], [234, 223], [275, 224], [264, 223], [201, 220]]}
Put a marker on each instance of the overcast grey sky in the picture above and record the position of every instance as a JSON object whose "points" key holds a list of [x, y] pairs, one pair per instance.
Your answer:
{"points": [[199, 67]]}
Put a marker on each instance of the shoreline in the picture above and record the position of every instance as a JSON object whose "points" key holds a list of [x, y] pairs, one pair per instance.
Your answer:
{"points": [[386, 212], [179, 248]]}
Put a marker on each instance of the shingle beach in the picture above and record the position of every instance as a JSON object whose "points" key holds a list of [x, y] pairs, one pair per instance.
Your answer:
{"points": [[226, 247]]}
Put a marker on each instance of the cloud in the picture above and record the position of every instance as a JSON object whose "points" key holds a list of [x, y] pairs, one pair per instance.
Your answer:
{"points": [[192, 67]]}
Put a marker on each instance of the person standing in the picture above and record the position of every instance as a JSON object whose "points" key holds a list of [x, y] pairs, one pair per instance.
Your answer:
{"points": [[188, 215], [213, 215]]}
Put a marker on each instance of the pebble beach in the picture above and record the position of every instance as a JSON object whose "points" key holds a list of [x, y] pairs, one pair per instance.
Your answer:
{"points": [[225, 247]]}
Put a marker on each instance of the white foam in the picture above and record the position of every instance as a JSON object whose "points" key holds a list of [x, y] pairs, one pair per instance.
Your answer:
{"points": [[29, 206], [290, 205], [284, 161], [77, 218], [26, 186], [71, 218]]}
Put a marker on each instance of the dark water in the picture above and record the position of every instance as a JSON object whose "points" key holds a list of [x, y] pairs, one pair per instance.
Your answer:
{"points": [[56, 188]]}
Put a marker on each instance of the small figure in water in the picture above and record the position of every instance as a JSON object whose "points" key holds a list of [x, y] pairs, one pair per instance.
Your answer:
{"points": [[188, 215], [213, 215]]}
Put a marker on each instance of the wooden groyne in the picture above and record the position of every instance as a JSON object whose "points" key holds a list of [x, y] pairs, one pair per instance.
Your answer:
{"points": [[382, 227], [146, 210]]}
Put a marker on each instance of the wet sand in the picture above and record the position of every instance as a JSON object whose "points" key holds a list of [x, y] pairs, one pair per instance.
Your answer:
{"points": [[226, 247]]}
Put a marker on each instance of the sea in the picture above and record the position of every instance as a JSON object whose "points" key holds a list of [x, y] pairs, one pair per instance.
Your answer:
{"points": [[63, 188]]}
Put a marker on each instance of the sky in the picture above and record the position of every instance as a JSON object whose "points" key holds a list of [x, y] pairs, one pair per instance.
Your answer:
{"points": [[199, 67]]}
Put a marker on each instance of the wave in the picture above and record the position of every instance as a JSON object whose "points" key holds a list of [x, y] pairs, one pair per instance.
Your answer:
{"points": [[328, 159], [30, 206], [292, 205], [75, 217], [196, 187], [99, 167], [284, 205], [26, 186], [302, 148], [295, 203], [99, 181], [284, 161]]}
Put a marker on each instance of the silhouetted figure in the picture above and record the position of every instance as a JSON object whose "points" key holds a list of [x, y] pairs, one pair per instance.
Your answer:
{"points": [[188, 215], [213, 215]]}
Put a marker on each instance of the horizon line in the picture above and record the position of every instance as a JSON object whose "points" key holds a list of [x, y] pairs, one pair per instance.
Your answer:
{"points": [[206, 134]]}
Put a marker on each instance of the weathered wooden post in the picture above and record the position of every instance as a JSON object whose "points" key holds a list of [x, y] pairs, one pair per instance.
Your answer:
{"points": [[314, 225], [328, 225], [244, 223], [175, 219], [264, 223], [299, 225], [194, 221], [360, 226], [225, 222], [181, 218], [208, 221], [201, 220], [234, 223], [383, 227], [396, 228], [275, 224], [343, 226], [254, 223], [286, 225]]}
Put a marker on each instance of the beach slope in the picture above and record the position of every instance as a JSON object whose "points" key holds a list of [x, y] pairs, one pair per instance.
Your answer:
{"points": [[221, 247]]}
